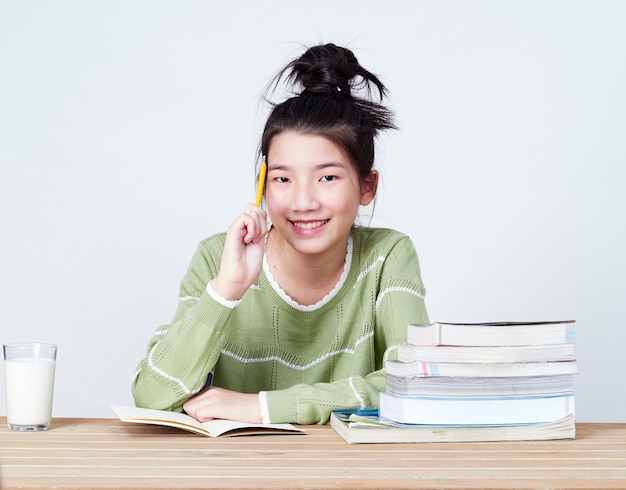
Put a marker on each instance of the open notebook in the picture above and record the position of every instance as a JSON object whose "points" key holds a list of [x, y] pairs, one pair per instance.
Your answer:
{"points": [[212, 428]]}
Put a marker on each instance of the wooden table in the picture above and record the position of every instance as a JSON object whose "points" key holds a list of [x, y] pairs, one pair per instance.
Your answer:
{"points": [[106, 453]]}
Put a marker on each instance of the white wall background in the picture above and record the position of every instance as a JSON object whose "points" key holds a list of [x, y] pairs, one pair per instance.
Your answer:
{"points": [[128, 131]]}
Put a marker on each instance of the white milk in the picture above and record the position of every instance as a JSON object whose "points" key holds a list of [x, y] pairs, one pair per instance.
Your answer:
{"points": [[29, 388]]}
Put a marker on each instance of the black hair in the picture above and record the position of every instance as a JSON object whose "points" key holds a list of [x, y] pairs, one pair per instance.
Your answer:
{"points": [[328, 76]]}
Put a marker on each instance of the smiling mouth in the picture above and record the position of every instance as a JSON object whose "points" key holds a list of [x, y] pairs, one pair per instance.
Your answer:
{"points": [[309, 225]]}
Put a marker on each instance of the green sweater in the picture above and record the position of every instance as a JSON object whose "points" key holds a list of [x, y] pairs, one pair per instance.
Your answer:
{"points": [[308, 360]]}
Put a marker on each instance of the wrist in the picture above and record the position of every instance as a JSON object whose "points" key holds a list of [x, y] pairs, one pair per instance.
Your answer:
{"points": [[217, 296], [228, 290]]}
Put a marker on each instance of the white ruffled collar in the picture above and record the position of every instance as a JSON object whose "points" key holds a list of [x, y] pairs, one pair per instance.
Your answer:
{"points": [[331, 294]]}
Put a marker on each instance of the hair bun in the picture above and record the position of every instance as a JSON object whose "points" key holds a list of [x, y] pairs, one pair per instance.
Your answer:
{"points": [[324, 68], [330, 68]]}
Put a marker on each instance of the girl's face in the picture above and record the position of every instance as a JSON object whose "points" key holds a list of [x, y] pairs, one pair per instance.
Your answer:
{"points": [[313, 192]]}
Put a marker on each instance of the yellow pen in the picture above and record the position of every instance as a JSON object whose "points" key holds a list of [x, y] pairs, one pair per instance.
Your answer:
{"points": [[261, 185]]}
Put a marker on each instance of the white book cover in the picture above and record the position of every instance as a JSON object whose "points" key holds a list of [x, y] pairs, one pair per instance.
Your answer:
{"points": [[475, 411]]}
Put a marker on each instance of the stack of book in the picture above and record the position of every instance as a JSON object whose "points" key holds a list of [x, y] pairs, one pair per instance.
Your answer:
{"points": [[474, 382]]}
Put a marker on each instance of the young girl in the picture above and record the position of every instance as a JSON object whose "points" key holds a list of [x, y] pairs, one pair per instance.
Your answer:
{"points": [[285, 322]]}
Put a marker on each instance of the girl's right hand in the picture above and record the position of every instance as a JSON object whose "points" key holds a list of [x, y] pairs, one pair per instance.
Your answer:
{"points": [[242, 259]]}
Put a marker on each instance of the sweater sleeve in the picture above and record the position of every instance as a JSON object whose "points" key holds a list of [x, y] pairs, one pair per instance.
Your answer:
{"points": [[181, 355], [399, 301]]}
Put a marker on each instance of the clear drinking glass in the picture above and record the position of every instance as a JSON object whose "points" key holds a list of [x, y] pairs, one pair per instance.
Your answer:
{"points": [[29, 381]]}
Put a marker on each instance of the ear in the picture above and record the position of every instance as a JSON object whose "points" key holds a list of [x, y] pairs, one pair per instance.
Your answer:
{"points": [[368, 188]]}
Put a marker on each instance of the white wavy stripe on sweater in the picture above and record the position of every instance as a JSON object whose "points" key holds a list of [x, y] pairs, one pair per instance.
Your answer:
{"points": [[384, 293], [296, 366], [379, 260], [188, 298], [356, 393], [169, 377], [387, 351]]}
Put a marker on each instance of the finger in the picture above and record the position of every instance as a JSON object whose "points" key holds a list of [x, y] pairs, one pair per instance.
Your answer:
{"points": [[198, 407], [255, 223]]}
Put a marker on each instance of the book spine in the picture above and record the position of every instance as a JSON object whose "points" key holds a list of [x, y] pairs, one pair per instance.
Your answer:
{"points": [[487, 370], [491, 334], [482, 354]]}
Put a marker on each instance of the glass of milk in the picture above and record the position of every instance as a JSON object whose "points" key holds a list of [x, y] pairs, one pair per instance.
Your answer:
{"points": [[29, 381]]}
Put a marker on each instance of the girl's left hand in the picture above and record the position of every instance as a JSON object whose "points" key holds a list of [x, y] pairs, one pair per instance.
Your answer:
{"points": [[219, 403]]}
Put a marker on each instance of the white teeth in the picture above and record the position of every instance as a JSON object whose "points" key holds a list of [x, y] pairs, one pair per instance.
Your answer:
{"points": [[308, 225]]}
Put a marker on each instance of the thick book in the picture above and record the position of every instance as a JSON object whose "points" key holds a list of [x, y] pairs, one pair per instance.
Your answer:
{"points": [[523, 386], [212, 428], [492, 334], [484, 354], [484, 370], [369, 428], [475, 411]]}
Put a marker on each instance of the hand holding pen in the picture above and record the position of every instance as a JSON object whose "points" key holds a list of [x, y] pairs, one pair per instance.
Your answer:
{"points": [[244, 248]]}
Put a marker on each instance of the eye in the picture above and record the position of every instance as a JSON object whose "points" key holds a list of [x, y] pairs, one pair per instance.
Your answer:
{"points": [[328, 178], [281, 180]]}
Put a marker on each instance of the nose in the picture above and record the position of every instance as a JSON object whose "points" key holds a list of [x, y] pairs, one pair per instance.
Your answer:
{"points": [[305, 197]]}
